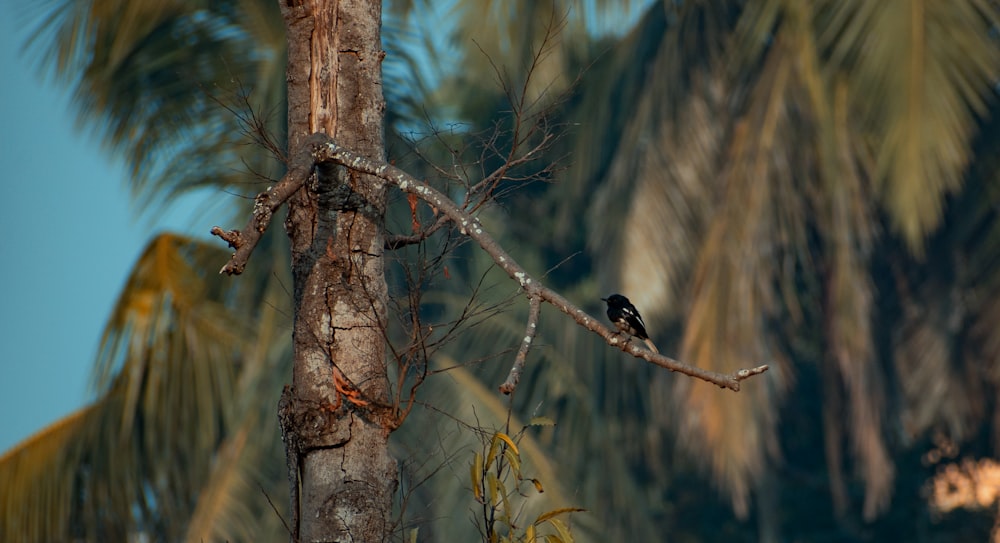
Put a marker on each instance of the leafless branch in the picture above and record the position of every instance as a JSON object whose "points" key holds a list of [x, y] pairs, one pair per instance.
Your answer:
{"points": [[264, 206], [401, 240], [534, 309], [321, 148], [469, 225]]}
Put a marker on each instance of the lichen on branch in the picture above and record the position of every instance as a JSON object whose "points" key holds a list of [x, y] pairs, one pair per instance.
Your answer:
{"points": [[320, 149]]}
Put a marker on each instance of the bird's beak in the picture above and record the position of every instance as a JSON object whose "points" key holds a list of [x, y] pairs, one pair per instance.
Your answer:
{"points": [[604, 299]]}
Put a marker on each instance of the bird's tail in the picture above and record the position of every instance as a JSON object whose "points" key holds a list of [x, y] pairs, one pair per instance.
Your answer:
{"points": [[649, 343]]}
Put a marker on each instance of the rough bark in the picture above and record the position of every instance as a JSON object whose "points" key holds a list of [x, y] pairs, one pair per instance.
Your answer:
{"points": [[342, 475]]}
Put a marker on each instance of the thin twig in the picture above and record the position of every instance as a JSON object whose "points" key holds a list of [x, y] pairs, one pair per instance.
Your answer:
{"points": [[276, 512], [402, 240], [534, 309]]}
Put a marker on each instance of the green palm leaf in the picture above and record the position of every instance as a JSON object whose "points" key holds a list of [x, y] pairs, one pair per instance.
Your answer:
{"points": [[921, 73], [164, 441], [36, 476]]}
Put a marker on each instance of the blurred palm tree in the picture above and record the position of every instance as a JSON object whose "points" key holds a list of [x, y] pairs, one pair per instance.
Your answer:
{"points": [[182, 425], [807, 184]]}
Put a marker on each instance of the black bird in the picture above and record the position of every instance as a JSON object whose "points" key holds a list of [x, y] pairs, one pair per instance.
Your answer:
{"points": [[627, 320]]}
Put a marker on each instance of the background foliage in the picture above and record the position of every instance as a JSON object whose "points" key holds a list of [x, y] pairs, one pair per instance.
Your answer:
{"points": [[807, 184]]}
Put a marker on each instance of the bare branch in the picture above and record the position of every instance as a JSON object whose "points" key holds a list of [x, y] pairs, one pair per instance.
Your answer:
{"points": [[264, 206], [402, 240], [321, 148], [534, 308], [469, 225]]}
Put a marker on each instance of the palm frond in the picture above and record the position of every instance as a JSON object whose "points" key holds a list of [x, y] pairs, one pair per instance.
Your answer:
{"points": [[946, 352], [154, 80], [223, 506], [34, 477], [920, 74], [733, 295], [502, 43], [167, 438], [662, 157]]}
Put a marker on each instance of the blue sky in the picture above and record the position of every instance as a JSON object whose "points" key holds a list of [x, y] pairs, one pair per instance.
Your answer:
{"points": [[70, 237]]}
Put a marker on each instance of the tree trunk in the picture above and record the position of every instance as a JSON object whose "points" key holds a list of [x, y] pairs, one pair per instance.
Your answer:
{"points": [[342, 475]]}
